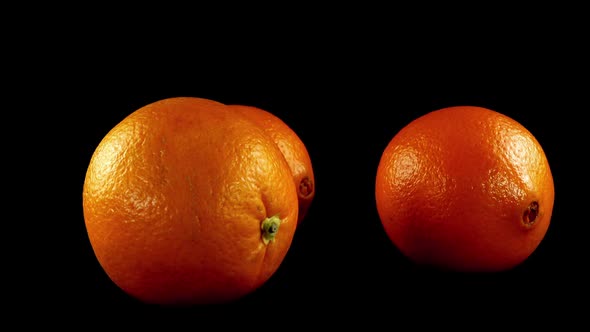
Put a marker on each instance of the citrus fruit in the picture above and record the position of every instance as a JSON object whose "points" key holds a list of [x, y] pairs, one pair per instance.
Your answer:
{"points": [[293, 149], [188, 202], [465, 188]]}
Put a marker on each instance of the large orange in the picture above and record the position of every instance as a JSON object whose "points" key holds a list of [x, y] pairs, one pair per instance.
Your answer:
{"points": [[465, 189], [188, 202], [293, 149]]}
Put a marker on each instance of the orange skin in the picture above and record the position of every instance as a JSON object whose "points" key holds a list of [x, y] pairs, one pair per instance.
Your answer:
{"points": [[465, 189], [293, 149], [178, 203]]}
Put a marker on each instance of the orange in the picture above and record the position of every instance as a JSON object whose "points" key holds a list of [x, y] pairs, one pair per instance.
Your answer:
{"points": [[465, 188], [188, 202], [293, 149]]}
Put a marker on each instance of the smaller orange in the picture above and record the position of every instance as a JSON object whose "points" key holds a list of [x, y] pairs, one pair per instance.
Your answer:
{"points": [[466, 189], [293, 149]]}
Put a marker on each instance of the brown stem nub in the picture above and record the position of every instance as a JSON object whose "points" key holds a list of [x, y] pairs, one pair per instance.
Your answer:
{"points": [[305, 187], [530, 214]]}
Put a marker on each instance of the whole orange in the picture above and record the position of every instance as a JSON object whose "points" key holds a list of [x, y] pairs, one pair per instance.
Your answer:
{"points": [[465, 188], [293, 149], [188, 202]]}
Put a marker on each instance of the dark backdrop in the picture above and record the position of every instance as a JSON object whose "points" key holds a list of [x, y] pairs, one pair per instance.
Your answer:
{"points": [[346, 96]]}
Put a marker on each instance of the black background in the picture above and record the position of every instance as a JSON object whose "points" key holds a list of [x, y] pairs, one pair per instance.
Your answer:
{"points": [[346, 90]]}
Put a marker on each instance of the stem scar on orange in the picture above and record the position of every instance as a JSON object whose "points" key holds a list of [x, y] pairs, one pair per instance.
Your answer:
{"points": [[188, 202], [465, 188], [293, 149]]}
